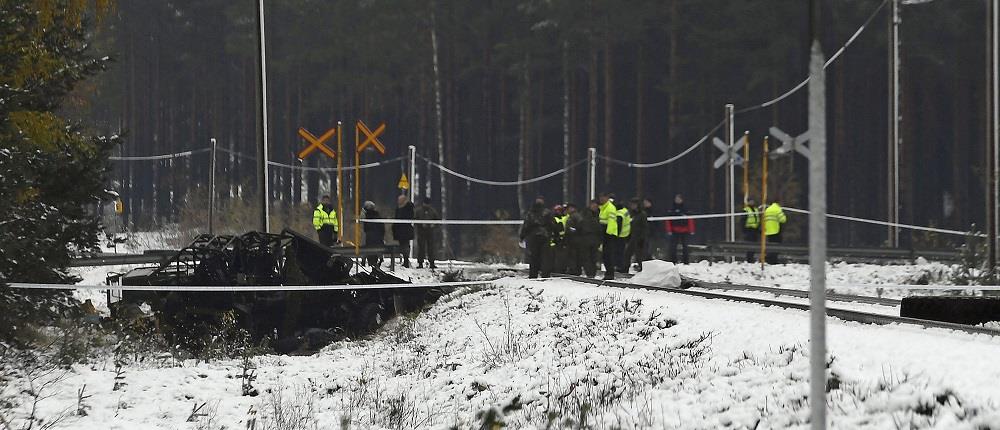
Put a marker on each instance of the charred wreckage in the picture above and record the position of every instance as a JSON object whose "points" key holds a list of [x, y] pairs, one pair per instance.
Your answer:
{"points": [[292, 319]]}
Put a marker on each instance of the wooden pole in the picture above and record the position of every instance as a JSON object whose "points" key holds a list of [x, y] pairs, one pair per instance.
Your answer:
{"points": [[357, 192], [746, 167], [763, 203], [340, 179]]}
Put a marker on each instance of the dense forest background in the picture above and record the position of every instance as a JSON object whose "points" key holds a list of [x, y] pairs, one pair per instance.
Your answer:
{"points": [[524, 87]]}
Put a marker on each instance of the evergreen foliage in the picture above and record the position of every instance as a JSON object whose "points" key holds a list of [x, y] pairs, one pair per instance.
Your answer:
{"points": [[52, 171]]}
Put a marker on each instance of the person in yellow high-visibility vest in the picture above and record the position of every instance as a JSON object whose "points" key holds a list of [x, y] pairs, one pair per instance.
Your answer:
{"points": [[325, 222], [608, 217], [624, 233], [751, 226], [774, 217]]}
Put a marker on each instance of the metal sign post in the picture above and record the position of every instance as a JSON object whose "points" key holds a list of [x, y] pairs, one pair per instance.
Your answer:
{"points": [[730, 176]]}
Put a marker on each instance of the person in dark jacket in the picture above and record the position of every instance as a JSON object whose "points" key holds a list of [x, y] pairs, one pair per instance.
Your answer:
{"points": [[584, 239], [636, 246], [374, 233], [679, 230], [536, 233], [403, 233], [426, 232]]}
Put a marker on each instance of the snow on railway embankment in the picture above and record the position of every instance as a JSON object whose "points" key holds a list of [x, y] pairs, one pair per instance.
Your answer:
{"points": [[552, 354]]}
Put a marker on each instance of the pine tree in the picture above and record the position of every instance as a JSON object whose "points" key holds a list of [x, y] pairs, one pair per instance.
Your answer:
{"points": [[52, 172]]}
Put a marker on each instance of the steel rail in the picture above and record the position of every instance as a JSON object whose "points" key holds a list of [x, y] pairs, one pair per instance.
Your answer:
{"points": [[848, 298], [842, 314]]}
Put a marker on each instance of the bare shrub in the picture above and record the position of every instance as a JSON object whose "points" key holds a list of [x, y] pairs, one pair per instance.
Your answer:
{"points": [[281, 411], [27, 380]]}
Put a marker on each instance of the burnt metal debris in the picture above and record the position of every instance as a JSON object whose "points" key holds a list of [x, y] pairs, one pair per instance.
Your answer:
{"points": [[291, 319]]}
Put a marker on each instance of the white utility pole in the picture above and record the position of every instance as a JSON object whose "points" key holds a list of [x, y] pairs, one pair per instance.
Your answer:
{"points": [[730, 175], [262, 157], [892, 161], [992, 129], [817, 224]]}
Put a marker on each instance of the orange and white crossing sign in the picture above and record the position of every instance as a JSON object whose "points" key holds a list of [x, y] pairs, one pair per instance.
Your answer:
{"points": [[316, 143], [371, 137]]}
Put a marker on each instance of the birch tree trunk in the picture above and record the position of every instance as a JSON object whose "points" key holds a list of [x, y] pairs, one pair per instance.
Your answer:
{"points": [[440, 124]]}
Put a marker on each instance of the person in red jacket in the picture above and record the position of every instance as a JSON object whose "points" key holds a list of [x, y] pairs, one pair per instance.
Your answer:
{"points": [[679, 230]]}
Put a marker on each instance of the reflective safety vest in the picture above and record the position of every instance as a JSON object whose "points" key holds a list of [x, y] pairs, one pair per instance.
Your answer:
{"points": [[561, 220], [609, 217], [774, 217], [322, 218], [626, 229], [753, 218]]}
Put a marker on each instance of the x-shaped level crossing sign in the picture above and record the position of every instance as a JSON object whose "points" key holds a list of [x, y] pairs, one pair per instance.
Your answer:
{"points": [[729, 153], [789, 143], [371, 137], [316, 143]]}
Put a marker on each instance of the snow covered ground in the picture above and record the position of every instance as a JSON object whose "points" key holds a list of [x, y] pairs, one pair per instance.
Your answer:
{"points": [[555, 353], [891, 281]]}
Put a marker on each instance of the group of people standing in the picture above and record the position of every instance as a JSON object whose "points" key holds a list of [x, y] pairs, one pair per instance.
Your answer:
{"points": [[327, 229], [572, 240], [770, 226], [562, 239]]}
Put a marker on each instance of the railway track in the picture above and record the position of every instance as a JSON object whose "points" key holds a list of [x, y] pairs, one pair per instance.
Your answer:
{"points": [[846, 298], [842, 314]]}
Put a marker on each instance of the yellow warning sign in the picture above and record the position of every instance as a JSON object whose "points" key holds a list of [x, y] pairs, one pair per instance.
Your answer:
{"points": [[404, 183], [119, 206]]}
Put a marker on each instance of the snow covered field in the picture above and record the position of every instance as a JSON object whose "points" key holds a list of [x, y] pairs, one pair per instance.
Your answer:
{"points": [[553, 354]]}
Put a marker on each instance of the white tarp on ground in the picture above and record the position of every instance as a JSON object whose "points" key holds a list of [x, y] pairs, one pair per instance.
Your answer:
{"points": [[658, 273]]}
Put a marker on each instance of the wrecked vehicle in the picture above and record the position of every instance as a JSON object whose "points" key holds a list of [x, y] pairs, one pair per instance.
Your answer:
{"points": [[291, 319]]}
